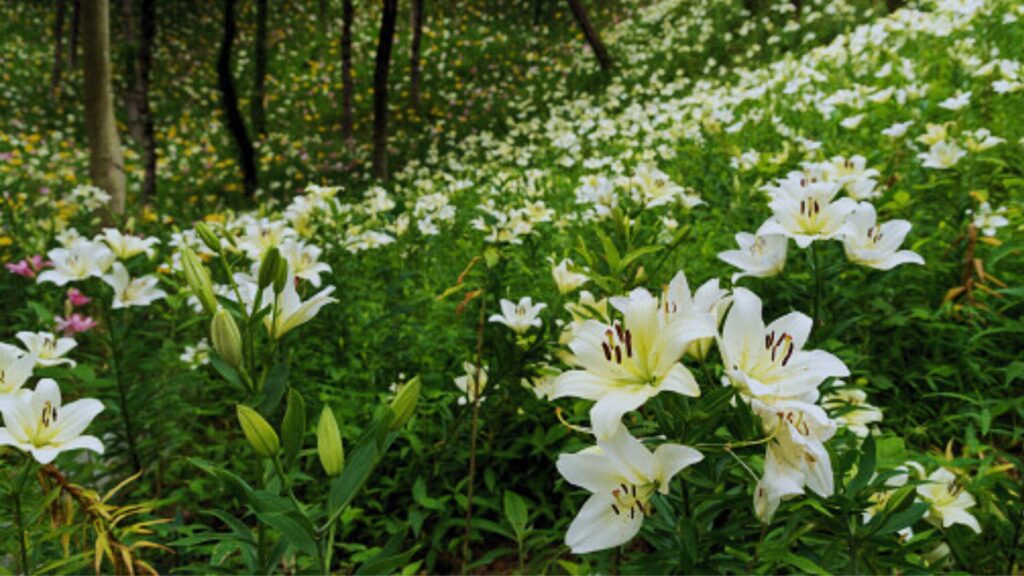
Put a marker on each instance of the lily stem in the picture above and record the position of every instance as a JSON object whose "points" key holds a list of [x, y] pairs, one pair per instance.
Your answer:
{"points": [[473, 432], [22, 534], [122, 393], [818, 281]]}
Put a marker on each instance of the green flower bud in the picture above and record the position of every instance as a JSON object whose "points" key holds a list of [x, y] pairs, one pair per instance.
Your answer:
{"points": [[227, 340], [281, 278], [207, 235], [328, 443], [293, 427], [198, 280], [268, 267], [258, 432], [404, 404]]}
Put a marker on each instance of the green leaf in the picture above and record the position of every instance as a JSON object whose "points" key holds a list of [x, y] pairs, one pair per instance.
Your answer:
{"points": [[357, 471], [230, 480], [611, 253], [293, 427], [274, 388], [904, 518], [386, 563], [516, 513], [295, 528], [419, 494], [803, 564], [226, 372], [865, 468], [634, 254]]}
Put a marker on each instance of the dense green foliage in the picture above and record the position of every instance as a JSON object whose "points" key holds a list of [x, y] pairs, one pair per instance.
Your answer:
{"points": [[490, 193]]}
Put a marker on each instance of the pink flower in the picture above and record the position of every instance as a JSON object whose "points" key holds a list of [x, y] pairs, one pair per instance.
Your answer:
{"points": [[75, 324], [28, 267], [77, 299]]}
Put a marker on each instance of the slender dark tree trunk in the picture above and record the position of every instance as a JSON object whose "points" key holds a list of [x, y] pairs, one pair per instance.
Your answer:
{"points": [[147, 35], [347, 88], [380, 88], [593, 38], [538, 5], [76, 18], [229, 99], [130, 55], [259, 90], [139, 32], [58, 48], [416, 23], [106, 163]]}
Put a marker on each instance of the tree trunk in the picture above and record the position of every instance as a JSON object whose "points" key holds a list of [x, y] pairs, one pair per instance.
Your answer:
{"points": [[593, 38], [138, 42], [58, 48], [380, 88], [106, 164], [229, 99], [347, 88], [76, 19], [538, 5], [146, 37], [416, 23], [259, 90], [130, 55]]}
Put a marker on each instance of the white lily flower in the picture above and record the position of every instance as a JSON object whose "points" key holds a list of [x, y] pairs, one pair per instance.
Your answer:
{"points": [[877, 245], [625, 364], [292, 311], [949, 501], [704, 308], [567, 280], [981, 140], [898, 129], [850, 170], [769, 362], [83, 259], [622, 474], [933, 134], [987, 220], [599, 191], [865, 189], [262, 235], [46, 348], [15, 369], [519, 317], [140, 291], [472, 383], [806, 209], [303, 260], [759, 256], [956, 101], [855, 412], [654, 188], [942, 155], [796, 457], [125, 246], [38, 423]]}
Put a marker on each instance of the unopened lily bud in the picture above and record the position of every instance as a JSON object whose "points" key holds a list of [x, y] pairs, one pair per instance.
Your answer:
{"points": [[227, 340], [198, 280], [404, 403], [328, 443], [207, 235], [282, 277], [268, 267], [258, 432]]}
